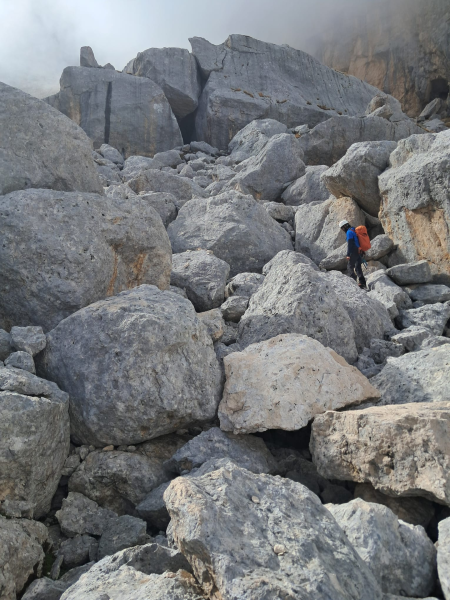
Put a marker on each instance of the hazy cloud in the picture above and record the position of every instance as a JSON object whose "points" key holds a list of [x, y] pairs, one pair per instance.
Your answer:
{"points": [[38, 38]]}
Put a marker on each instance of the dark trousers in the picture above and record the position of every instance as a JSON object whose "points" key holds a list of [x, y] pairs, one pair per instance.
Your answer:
{"points": [[355, 264]]}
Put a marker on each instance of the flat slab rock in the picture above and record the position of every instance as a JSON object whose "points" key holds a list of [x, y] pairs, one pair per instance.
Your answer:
{"points": [[284, 382], [253, 536], [401, 450]]}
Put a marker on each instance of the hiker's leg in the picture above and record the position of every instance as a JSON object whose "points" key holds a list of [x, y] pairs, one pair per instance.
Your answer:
{"points": [[351, 267], [359, 271]]}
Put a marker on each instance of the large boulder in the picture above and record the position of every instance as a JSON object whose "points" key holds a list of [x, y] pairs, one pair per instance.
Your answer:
{"points": [[136, 366], [248, 79], [415, 210], [443, 556], [401, 556], [356, 174], [284, 382], [253, 138], [80, 516], [432, 316], [317, 232], [411, 273], [265, 175], [119, 480], [175, 71], [153, 180], [421, 376], [203, 276], [235, 227], [253, 536], [21, 554], [130, 113], [308, 188], [64, 250], [40, 148], [401, 450], [330, 308], [34, 438]]}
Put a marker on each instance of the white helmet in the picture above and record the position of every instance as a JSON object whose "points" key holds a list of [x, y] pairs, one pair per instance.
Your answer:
{"points": [[342, 223]]}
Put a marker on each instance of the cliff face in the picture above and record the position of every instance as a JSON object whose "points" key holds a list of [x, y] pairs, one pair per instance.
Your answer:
{"points": [[401, 47]]}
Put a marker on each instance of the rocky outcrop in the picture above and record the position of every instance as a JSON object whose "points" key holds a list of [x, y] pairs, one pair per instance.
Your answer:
{"points": [[131, 114], [278, 82], [308, 188], [283, 383], [40, 148], [304, 554], [64, 250], [250, 140], [415, 210], [167, 376]]}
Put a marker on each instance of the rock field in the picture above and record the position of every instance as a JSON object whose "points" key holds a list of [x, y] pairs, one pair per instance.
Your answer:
{"points": [[196, 401]]}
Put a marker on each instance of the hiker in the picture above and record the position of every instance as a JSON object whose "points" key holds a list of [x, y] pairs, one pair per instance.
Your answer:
{"points": [[354, 254]]}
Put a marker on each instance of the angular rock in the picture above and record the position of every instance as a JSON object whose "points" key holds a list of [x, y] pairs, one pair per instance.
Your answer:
{"points": [[40, 148], [429, 293], [111, 154], [62, 251], [153, 508], [34, 438], [277, 82], [214, 323], [308, 188], [250, 140], [21, 360], [235, 227], [401, 556], [443, 556], [244, 284], [356, 174], [79, 516], [249, 452], [87, 58], [279, 211], [415, 377], [329, 141], [79, 550], [386, 291], [137, 118], [401, 450], [234, 307], [381, 350], [264, 176], [432, 316], [317, 232], [277, 556], [169, 158], [21, 554], [153, 180], [125, 532], [45, 589], [283, 383], [416, 208], [164, 204], [120, 480], [203, 276], [411, 339], [167, 376], [28, 339], [415, 272]]}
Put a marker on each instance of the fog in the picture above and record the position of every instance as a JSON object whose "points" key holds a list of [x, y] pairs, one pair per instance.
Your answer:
{"points": [[38, 38]]}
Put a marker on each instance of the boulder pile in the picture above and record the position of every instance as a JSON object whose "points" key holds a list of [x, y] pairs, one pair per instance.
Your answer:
{"points": [[196, 401]]}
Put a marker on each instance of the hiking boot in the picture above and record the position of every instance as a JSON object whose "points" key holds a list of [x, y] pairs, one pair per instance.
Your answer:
{"points": [[363, 284]]}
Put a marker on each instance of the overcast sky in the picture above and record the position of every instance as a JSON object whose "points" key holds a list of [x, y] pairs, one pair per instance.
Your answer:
{"points": [[38, 38]]}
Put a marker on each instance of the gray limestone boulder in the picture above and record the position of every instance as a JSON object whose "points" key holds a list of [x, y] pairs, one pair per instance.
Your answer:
{"points": [[236, 228], [247, 451], [401, 556], [164, 204], [203, 147], [295, 298], [412, 338], [175, 71], [415, 377], [253, 138], [355, 175], [381, 350], [386, 291], [432, 316], [21, 554], [214, 323], [265, 175], [111, 154], [118, 480], [256, 536], [124, 532], [169, 158], [429, 293], [244, 284], [443, 556], [277, 82], [401, 450], [234, 308], [45, 589], [152, 180], [28, 339], [64, 250], [87, 58], [280, 212], [21, 360], [41, 148], [308, 188], [136, 366], [132, 114], [317, 232], [78, 551], [415, 211], [80, 515], [153, 508], [329, 141], [414, 272], [202, 275], [34, 438]]}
